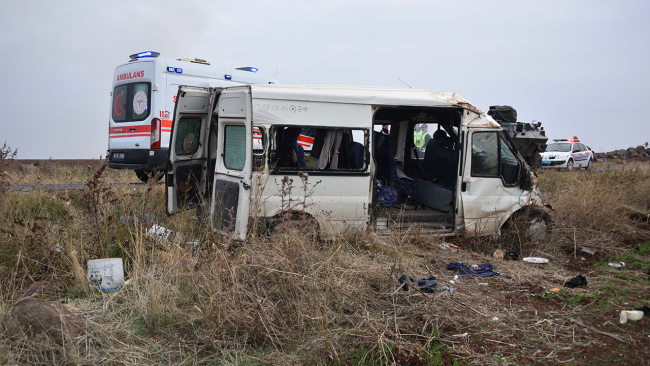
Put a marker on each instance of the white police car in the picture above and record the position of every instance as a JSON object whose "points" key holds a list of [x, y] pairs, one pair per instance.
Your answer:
{"points": [[567, 154]]}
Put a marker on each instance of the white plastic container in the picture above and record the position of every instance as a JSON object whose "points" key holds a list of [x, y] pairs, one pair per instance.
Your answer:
{"points": [[630, 315], [107, 273]]}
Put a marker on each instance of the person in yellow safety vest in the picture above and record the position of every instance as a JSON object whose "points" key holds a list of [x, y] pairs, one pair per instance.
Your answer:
{"points": [[421, 137]]}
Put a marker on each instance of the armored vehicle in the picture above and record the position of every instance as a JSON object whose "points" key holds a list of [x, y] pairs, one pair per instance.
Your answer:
{"points": [[529, 138]]}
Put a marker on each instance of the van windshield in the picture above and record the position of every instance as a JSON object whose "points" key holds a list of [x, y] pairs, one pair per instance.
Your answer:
{"points": [[131, 102], [559, 147]]}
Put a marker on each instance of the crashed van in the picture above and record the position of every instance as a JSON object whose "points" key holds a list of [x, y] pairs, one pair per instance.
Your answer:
{"points": [[366, 168]]}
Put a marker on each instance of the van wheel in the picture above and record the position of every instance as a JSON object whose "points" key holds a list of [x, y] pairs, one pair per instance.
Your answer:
{"points": [[588, 166], [569, 165], [538, 225], [527, 228], [142, 175]]}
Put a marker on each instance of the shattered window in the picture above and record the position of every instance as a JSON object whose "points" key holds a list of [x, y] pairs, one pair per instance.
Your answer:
{"points": [[485, 154], [509, 164], [317, 149]]}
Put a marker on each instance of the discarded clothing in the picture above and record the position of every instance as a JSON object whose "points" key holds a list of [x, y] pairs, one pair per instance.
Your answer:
{"points": [[485, 270], [576, 281], [645, 309], [427, 285]]}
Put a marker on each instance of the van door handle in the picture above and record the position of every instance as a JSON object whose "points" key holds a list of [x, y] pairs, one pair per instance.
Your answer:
{"points": [[463, 187], [245, 185], [132, 129]]}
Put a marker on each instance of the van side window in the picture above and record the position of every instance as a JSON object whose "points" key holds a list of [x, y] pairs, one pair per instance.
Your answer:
{"points": [[234, 147], [485, 154], [318, 149], [187, 136], [509, 164]]}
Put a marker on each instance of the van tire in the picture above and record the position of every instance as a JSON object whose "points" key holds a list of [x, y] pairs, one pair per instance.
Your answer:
{"points": [[538, 225], [588, 166], [142, 175], [527, 226]]}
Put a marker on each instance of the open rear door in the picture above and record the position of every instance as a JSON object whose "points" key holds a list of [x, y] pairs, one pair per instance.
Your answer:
{"points": [[188, 149], [233, 172]]}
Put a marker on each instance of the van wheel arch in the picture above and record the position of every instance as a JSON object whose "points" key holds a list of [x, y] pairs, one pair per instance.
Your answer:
{"points": [[283, 218], [530, 223]]}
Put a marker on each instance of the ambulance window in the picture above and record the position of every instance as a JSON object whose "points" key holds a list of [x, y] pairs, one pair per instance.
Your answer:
{"points": [[119, 103], [234, 149], [187, 136], [140, 101], [485, 154]]}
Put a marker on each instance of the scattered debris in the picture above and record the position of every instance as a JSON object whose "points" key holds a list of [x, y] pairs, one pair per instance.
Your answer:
{"points": [[427, 285], [645, 309], [576, 281], [449, 247], [587, 250], [617, 265], [446, 288], [630, 315], [485, 269], [513, 256], [554, 290], [157, 231], [535, 260], [483, 284], [498, 254], [495, 319], [106, 274]]}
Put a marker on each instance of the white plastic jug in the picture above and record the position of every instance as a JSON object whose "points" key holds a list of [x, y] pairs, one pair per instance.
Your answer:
{"points": [[630, 315], [107, 274]]}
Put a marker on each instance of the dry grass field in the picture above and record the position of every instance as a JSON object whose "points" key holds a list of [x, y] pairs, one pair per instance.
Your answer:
{"points": [[286, 299]]}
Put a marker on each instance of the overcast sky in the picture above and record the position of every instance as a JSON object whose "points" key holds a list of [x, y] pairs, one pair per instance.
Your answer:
{"points": [[580, 67]]}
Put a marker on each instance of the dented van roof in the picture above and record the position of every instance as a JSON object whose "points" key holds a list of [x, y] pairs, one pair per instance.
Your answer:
{"points": [[374, 95], [362, 95]]}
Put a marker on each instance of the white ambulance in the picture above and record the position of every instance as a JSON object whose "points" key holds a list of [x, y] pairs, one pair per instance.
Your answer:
{"points": [[143, 97]]}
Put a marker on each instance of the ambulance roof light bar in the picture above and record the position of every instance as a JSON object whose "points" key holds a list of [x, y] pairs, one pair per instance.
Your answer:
{"points": [[567, 140], [136, 56], [251, 69]]}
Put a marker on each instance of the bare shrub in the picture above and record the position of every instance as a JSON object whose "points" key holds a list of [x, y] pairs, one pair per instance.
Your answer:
{"points": [[6, 161]]}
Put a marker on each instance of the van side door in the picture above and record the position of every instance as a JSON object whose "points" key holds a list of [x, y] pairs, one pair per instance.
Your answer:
{"points": [[185, 179], [230, 207], [491, 186]]}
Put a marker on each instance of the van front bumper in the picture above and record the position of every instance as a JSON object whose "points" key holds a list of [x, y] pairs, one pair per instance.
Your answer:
{"points": [[140, 159]]}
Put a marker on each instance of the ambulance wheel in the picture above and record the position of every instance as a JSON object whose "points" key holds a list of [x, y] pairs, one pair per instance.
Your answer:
{"points": [[569, 165], [142, 175]]}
